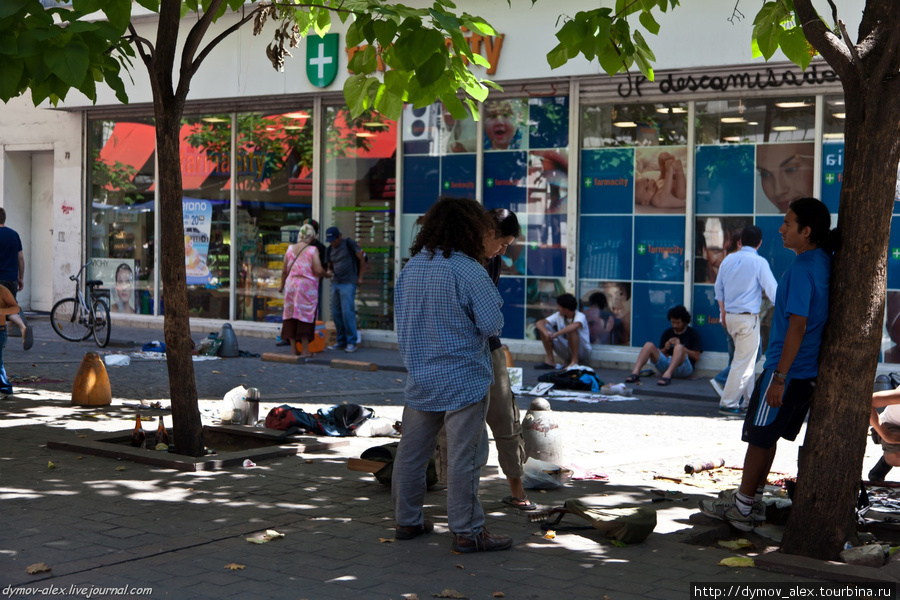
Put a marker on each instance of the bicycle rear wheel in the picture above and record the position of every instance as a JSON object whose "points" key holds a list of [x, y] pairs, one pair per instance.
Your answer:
{"points": [[67, 320], [101, 323]]}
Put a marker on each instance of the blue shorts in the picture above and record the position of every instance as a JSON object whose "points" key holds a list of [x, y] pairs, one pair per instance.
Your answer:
{"points": [[763, 424], [684, 370]]}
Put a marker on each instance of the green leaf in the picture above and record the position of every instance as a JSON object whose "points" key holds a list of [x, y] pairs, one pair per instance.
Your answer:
{"points": [[70, 64], [481, 61], [649, 22], [447, 21], [385, 32], [323, 22], [388, 104], [609, 59], [397, 81], [354, 36], [354, 93], [454, 106], [767, 39], [431, 70], [12, 75], [481, 26], [8, 44], [364, 61], [9, 8], [151, 5], [558, 56], [793, 44]]}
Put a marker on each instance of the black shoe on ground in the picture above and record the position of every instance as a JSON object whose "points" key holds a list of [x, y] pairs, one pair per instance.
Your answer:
{"points": [[408, 532], [880, 470], [483, 542]]}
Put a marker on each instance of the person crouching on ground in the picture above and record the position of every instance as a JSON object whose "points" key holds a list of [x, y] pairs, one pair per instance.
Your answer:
{"points": [[565, 333], [446, 309], [679, 350]]}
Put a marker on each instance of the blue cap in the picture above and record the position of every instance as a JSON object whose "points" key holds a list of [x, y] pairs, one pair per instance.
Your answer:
{"points": [[332, 233]]}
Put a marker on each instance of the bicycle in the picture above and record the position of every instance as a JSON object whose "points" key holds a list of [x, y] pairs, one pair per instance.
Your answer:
{"points": [[76, 319]]}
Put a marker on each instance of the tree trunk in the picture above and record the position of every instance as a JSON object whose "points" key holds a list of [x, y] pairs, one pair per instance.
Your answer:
{"points": [[188, 429], [831, 456]]}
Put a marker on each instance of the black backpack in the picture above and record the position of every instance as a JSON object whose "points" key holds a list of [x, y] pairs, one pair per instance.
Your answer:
{"points": [[573, 379]]}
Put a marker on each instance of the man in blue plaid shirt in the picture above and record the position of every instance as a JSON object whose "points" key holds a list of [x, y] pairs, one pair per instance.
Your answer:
{"points": [[446, 308]]}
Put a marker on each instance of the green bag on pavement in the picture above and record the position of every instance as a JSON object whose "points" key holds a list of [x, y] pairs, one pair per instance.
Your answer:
{"points": [[627, 525]]}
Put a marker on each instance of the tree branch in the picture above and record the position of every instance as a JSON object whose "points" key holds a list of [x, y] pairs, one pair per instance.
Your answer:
{"points": [[856, 60], [215, 42], [139, 43], [823, 40], [887, 66], [192, 43]]}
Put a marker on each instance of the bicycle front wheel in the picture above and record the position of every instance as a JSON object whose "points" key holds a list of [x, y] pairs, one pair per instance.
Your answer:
{"points": [[101, 323], [68, 320]]}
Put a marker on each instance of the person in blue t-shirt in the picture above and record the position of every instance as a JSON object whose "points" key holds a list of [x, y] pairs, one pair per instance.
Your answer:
{"points": [[12, 274], [783, 392]]}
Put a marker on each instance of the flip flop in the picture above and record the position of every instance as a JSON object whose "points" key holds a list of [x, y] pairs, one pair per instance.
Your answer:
{"points": [[664, 381], [545, 367], [632, 378], [28, 338], [520, 503]]}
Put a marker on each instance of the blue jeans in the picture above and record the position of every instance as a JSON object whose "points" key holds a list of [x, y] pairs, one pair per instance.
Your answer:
{"points": [[343, 309], [5, 385], [467, 452]]}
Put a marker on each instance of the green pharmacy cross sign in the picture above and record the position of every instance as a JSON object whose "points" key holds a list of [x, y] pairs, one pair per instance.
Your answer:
{"points": [[895, 253], [829, 178], [642, 249], [322, 59], [701, 320]]}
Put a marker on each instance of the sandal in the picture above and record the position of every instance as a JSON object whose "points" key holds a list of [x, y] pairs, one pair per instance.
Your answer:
{"points": [[545, 367], [520, 503], [633, 378], [664, 381]]}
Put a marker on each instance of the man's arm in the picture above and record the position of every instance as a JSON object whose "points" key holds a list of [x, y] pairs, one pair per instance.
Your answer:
{"points": [[363, 265], [573, 326], [21, 270], [767, 281], [722, 312], [792, 341], [8, 305]]}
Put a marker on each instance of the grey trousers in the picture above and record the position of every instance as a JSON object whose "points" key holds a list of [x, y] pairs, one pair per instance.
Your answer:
{"points": [[503, 419], [467, 452]]}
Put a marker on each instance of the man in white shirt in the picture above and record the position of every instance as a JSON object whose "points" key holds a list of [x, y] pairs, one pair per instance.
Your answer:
{"points": [[565, 332], [743, 276]]}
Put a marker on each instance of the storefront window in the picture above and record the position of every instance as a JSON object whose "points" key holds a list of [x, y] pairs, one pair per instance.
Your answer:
{"points": [[631, 225], [526, 170], [122, 231], [360, 200], [206, 181], [754, 157], [274, 196]]}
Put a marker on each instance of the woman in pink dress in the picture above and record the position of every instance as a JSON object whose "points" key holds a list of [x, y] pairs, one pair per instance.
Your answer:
{"points": [[300, 286]]}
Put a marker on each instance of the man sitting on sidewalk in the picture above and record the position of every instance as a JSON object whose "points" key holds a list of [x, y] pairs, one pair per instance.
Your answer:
{"points": [[887, 429], [679, 348], [565, 333]]}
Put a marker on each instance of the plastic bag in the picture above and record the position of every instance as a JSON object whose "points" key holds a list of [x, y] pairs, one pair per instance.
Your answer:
{"points": [[375, 427], [117, 360], [541, 475]]}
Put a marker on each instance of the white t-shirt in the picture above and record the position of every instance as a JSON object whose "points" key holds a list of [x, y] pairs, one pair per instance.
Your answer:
{"points": [[891, 414], [556, 322]]}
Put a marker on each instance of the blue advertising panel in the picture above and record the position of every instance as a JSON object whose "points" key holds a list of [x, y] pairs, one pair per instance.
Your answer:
{"points": [[504, 180], [724, 179], [772, 248], [548, 122], [545, 240], [458, 175], [421, 183], [604, 248], [607, 181], [832, 174], [705, 313], [650, 302], [659, 248], [512, 290], [893, 263]]}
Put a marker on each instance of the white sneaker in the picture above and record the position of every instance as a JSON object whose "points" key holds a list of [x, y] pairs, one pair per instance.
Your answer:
{"points": [[351, 348], [758, 512], [728, 512], [718, 387]]}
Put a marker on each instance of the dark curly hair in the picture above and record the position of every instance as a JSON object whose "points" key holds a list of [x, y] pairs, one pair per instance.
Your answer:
{"points": [[454, 224]]}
